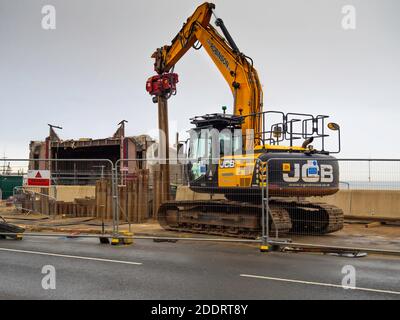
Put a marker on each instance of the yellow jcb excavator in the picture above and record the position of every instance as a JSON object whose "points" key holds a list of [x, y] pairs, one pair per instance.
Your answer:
{"points": [[239, 154]]}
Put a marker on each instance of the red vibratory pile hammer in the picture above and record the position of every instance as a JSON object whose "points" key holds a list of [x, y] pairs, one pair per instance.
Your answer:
{"points": [[162, 85]]}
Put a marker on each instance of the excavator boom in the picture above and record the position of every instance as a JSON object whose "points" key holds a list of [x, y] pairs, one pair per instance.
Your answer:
{"points": [[236, 68]]}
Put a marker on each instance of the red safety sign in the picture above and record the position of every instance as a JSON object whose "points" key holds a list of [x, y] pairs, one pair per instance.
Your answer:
{"points": [[38, 178]]}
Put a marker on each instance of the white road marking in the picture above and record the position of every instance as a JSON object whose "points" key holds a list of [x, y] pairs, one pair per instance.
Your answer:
{"points": [[69, 256], [319, 284]]}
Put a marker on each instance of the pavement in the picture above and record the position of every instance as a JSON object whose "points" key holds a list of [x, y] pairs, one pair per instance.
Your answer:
{"points": [[86, 269]]}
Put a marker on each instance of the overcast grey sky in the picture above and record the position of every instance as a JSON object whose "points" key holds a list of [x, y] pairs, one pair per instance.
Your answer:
{"points": [[90, 72]]}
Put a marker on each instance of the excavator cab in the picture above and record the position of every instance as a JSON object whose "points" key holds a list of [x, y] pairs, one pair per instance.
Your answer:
{"points": [[214, 137]]}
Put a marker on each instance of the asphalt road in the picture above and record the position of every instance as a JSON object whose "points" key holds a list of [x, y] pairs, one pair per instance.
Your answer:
{"points": [[185, 270]]}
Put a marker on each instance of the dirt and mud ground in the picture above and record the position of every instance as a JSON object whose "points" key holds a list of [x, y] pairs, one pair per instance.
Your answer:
{"points": [[354, 234]]}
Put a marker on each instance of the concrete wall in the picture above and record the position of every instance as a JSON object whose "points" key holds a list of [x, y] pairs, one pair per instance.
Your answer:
{"points": [[69, 193], [362, 203], [184, 193], [366, 203]]}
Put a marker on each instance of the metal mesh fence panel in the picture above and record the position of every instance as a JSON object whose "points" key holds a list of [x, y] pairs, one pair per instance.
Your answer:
{"points": [[58, 195], [194, 202], [335, 202]]}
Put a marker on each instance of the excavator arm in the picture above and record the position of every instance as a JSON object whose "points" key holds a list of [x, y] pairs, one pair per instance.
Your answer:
{"points": [[236, 68]]}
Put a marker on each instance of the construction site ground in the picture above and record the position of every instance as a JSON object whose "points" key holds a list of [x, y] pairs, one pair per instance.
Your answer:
{"points": [[358, 234]]}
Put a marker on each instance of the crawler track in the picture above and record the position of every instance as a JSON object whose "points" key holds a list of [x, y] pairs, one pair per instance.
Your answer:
{"points": [[241, 219]]}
